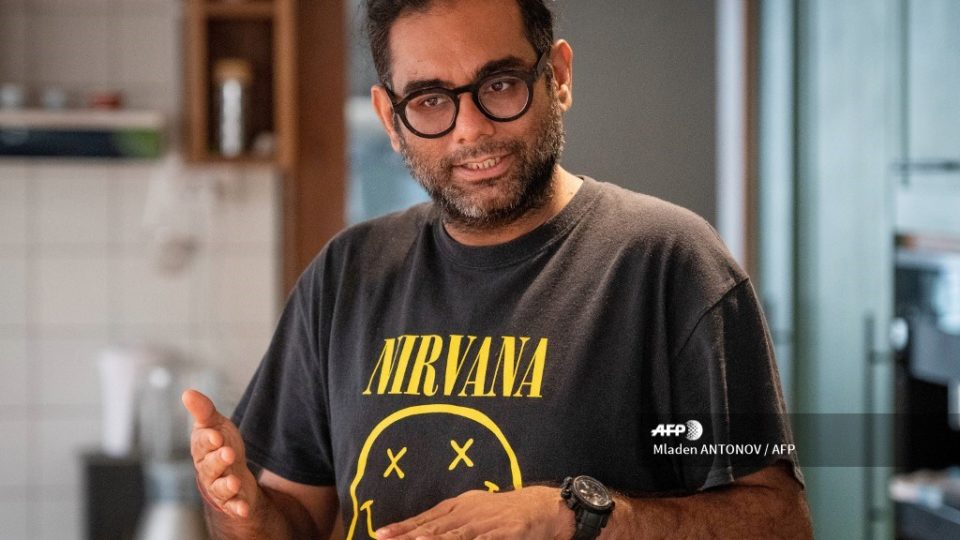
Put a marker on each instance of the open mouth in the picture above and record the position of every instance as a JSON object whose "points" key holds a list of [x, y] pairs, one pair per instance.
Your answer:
{"points": [[484, 168], [483, 165]]}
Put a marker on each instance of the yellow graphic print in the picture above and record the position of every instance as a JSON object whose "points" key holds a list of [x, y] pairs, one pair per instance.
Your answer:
{"points": [[366, 508], [461, 460], [394, 466], [461, 454], [458, 365]]}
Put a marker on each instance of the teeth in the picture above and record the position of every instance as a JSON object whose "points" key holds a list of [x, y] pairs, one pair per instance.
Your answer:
{"points": [[492, 162]]}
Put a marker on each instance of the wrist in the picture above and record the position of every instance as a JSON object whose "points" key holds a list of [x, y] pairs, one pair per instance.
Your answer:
{"points": [[564, 520], [620, 521], [557, 520], [591, 503]]}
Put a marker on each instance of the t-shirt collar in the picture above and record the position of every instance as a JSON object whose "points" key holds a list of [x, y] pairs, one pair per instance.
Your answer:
{"points": [[523, 247]]}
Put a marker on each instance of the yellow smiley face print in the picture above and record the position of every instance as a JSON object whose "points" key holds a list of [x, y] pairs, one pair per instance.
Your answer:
{"points": [[440, 449]]}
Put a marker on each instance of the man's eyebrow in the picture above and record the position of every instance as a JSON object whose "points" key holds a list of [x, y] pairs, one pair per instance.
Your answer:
{"points": [[491, 67], [419, 84], [509, 62]]}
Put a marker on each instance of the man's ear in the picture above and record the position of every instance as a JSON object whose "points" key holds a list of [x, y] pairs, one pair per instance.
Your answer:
{"points": [[561, 59], [384, 107]]}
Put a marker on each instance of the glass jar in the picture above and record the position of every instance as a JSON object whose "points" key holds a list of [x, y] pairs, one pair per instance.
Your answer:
{"points": [[232, 79]]}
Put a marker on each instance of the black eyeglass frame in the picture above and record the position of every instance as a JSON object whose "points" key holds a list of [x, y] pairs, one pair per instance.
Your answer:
{"points": [[528, 77]]}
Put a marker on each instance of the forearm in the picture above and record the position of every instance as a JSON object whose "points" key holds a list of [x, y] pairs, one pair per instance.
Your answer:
{"points": [[765, 504], [734, 512], [274, 515]]}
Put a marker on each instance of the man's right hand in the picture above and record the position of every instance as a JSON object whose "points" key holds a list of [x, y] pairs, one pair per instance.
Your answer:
{"points": [[220, 459]]}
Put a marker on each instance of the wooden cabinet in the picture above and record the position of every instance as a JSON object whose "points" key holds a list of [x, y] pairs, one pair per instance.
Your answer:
{"points": [[297, 51], [262, 33]]}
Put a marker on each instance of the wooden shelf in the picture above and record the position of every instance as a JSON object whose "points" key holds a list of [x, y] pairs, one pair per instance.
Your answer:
{"points": [[262, 33], [253, 9], [245, 159], [82, 119], [297, 49]]}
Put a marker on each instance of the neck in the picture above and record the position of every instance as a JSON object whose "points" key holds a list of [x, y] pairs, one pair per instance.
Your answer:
{"points": [[564, 187]]}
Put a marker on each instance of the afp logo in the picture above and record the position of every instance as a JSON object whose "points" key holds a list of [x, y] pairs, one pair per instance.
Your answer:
{"points": [[692, 430]]}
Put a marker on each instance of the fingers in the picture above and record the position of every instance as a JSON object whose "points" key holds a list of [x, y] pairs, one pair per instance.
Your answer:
{"points": [[204, 441], [225, 495], [238, 507], [216, 447], [475, 515], [431, 522], [225, 488], [215, 464], [219, 486], [201, 408], [433, 531]]}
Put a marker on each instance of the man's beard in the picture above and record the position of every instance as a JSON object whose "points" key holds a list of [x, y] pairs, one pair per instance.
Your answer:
{"points": [[529, 189]]}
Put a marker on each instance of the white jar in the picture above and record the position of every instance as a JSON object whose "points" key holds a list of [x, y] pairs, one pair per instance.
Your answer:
{"points": [[232, 77]]}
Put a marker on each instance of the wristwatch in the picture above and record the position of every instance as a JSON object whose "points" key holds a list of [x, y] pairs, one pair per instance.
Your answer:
{"points": [[591, 504]]}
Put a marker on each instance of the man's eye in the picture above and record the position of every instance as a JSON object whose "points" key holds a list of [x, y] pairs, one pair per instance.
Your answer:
{"points": [[429, 101], [501, 85]]}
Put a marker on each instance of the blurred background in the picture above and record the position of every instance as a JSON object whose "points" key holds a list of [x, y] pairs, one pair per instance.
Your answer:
{"points": [[168, 167]]}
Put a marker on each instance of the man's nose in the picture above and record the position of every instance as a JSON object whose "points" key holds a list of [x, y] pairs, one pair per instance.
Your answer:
{"points": [[472, 124]]}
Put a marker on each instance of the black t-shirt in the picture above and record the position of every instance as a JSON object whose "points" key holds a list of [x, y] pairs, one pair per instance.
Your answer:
{"points": [[408, 368]]}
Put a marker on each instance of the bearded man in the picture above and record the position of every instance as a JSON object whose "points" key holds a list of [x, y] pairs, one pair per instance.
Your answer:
{"points": [[534, 354]]}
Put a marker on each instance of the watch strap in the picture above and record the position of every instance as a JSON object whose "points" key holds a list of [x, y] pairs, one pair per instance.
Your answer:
{"points": [[585, 532], [589, 524]]}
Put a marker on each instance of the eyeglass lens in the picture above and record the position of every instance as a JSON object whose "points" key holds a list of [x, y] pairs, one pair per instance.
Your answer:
{"points": [[501, 97]]}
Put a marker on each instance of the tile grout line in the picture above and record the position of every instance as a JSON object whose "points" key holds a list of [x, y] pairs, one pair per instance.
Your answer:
{"points": [[112, 16], [31, 351], [113, 255]]}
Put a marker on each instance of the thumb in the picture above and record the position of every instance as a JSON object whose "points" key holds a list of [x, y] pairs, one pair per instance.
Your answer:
{"points": [[202, 410]]}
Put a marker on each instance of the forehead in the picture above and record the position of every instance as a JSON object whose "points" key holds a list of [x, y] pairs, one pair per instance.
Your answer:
{"points": [[454, 38]]}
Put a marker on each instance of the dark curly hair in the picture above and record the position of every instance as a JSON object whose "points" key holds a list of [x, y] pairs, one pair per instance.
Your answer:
{"points": [[381, 14]]}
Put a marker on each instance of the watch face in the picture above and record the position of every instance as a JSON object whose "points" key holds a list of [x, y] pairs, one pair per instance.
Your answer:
{"points": [[591, 492]]}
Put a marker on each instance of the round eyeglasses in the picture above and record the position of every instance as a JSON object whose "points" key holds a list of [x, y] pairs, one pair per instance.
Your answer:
{"points": [[502, 97]]}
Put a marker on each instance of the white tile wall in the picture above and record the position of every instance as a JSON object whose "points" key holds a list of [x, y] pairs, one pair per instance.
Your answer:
{"points": [[68, 369], [61, 440], [238, 298], [251, 219], [13, 35], [17, 7], [71, 49], [60, 515], [237, 352], [13, 297], [67, 295], [77, 272], [71, 206], [14, 393], [162, 7], [130, 192], [14, 518], [139, 56], [148, 297], [14, 447], [72, 291], [172, 337], [129, 45], [61, 7], [13, 205]]}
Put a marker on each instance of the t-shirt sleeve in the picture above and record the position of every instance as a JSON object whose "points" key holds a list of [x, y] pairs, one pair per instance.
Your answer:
{"points": [[725, 377], [283, 414]]}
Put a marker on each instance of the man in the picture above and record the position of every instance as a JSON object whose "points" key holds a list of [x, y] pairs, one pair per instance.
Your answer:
{"points": [[439, 372]]}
